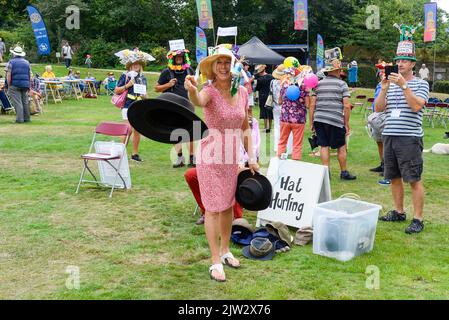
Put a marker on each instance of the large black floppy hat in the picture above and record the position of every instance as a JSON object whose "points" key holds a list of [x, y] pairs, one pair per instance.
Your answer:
{"points": [[158, 118], [253, 192]]}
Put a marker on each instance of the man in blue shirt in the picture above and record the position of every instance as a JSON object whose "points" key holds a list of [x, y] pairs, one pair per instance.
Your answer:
{"points": [[19, 81], [353, 77]]}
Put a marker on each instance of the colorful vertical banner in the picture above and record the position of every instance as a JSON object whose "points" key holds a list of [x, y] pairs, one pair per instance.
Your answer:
{"points": [[319, 53], [201, 45], [205, 14], [40, 31], [430, 22], [301, 15]]}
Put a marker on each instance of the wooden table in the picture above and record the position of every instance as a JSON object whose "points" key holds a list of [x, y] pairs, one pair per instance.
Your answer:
{"points": [[51, 85], [74, 88], [90, 86]]}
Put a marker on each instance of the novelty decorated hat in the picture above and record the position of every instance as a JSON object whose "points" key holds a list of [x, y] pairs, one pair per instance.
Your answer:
{"points": [[171, 57], [128, 57], [406, 47], [332, 65]]}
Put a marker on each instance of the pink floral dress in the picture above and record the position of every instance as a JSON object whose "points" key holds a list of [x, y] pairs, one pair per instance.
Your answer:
{"points": [[218, 153]]}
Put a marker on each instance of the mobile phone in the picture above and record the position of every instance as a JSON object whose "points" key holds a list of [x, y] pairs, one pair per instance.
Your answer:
{"points": [[391, 69]]}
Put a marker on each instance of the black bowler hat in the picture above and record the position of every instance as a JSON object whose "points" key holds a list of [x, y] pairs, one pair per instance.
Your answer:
{"points": [[253, 192], [157, 118]]}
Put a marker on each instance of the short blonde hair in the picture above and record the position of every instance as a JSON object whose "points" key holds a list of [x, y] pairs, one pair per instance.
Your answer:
{"points": [[48, 68]]}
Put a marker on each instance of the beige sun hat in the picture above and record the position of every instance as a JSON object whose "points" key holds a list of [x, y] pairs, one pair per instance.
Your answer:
{"points": [[332, 65], [259, 67], [18, 51], [278, 73], [206, 65]]}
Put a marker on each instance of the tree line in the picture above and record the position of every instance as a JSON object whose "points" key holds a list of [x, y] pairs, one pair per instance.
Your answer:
{"points": [[107, 26]]}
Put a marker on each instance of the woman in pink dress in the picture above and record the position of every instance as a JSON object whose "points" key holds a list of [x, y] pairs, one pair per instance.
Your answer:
{"points": [[217, 158]]}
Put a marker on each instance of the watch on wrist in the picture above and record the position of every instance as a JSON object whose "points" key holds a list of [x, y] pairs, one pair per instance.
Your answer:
{"points": [[404, 87]]}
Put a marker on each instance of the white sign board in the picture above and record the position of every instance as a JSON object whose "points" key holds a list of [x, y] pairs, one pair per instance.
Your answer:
{"points": [[297, 188], [225, 32], [176, 44], [107, 173], [140, 89]]}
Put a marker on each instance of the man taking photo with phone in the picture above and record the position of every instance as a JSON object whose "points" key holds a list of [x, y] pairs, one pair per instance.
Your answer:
{"points": [[403, 96]]}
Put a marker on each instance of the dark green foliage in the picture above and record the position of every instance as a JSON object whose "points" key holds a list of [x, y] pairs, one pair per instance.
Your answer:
{"points": [[442, 86], [150, 24]]}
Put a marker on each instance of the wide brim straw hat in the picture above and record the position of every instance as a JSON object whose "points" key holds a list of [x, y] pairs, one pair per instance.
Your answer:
{"points": [[128, 57], [206, 65], [278, 73]]}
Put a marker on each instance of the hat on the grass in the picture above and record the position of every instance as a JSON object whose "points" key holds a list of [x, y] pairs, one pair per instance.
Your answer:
{"points": [[280, 230], [303, 236], [253, 191], [242, 231], [160, 118], [259, 249]]}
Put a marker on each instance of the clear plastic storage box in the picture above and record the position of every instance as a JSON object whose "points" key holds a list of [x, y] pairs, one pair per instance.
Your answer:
{"points": [[344, 228]]}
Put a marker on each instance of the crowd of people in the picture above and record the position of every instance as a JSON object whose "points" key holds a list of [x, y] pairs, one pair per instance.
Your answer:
{"points": [[398, 104]]}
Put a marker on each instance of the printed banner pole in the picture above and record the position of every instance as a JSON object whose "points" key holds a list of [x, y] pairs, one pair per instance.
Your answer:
{"points": [[430, 31], [301, 15], [40, 31], [319, 53], [205, 17], [430, 22], [201, 45]]}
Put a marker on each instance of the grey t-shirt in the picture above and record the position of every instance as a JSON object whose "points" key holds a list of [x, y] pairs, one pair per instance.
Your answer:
{"points": [[2, 47], [329, 103]]}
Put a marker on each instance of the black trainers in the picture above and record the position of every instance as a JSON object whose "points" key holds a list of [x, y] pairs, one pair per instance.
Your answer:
{"points": [[192, 162], [415, 227], [378, 169], [393, 216], [136, 157], [179, 162], [345, 175]]}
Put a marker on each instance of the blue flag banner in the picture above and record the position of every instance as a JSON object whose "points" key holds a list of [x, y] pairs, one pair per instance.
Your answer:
{"points": [[40, 31], [201, 45], [319, 53]]}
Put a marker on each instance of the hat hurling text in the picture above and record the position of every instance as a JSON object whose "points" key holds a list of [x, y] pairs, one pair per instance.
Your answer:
{"points": [[289, 204]]}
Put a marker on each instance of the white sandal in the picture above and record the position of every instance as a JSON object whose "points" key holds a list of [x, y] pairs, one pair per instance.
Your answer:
{"points": [[225, 260], [218, 267]]}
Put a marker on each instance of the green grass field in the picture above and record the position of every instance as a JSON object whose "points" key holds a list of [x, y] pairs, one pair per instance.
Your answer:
{"points": [[143, 243]]}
